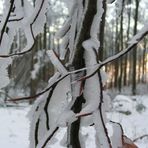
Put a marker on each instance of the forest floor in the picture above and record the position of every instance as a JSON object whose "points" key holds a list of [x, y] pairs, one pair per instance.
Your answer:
{"points": [[130, 111]]}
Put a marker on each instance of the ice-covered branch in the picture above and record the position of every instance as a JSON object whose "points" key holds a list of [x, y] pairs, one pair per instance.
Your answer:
{"points": [[137, 38], [134, 42], [118, 137], [95, 27], [72, 28], [57, 62], [63, 74], [32, 23], [5, 19], [48, 138]]}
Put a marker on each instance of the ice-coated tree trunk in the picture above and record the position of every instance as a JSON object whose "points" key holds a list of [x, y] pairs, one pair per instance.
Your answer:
{"points": [[78, 63]]}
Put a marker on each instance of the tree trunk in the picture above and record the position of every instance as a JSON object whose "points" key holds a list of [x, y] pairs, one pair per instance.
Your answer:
{"points": [[121, 48], [116, 63], [78, 62], [134, 50], [126, 56], [101, 35]]}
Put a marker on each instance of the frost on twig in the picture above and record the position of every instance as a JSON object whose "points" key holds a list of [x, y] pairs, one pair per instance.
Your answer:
{"points": [[134, 42], [119, 139], [19, 16], [54, 104], [56, 62], [93, 85], [53, 109], [71, 30], [31, 23]]}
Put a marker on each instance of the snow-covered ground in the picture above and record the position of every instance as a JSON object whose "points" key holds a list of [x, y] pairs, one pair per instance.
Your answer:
{"points": [[131, 112], [14, 127]]}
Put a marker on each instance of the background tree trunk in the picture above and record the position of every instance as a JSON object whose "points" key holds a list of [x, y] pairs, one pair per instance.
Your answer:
{"points": [[134, 50], [102, 30]]}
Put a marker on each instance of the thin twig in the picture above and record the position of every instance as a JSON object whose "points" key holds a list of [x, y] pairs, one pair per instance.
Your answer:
{"points": [[141, 137], [49, 137], [100, 108]]}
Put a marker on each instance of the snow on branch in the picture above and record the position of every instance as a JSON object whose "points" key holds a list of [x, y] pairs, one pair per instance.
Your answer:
{"points": [[54, 106], [71, 30], [137, 38], [18, 15], [93, 87], [95, 27], [134, 41], [118, 137], [56, 62], [30, 20], [5, 18], [47, 138], [61, 70]]}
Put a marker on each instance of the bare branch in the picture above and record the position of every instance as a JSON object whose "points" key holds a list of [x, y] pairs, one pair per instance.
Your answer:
{"points": [[49, 137], [101, 113]]}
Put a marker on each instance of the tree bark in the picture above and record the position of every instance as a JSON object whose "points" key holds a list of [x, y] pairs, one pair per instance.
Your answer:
{"points": [[77, 63], [134, 50], [102, 29]]}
